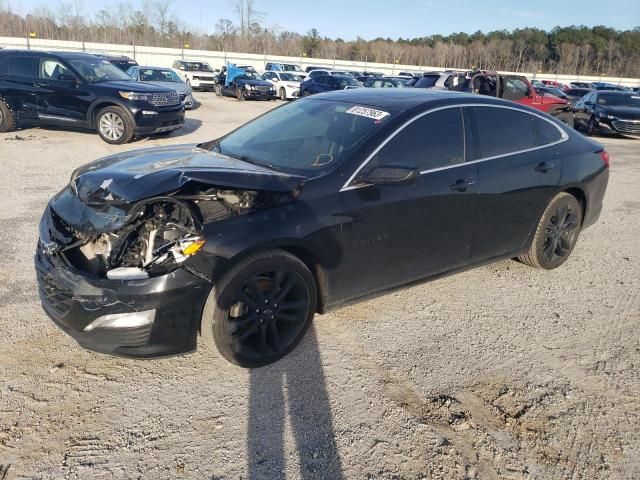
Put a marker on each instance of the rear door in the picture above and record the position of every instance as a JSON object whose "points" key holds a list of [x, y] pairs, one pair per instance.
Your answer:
{"points": [[19, 84], [402, 233], [518, 173]]}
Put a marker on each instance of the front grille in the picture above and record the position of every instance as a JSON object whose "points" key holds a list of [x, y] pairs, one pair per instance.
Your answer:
{"points": [[263, 89], [203, 79], [626, 127], [165, 99], [56, 299]]}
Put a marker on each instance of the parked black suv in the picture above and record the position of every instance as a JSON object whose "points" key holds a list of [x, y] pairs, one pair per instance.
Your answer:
{"points": [[80, 90]]}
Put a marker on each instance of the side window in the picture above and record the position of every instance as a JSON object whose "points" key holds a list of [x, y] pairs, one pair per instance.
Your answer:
{"points": [[22, 66], [546, 133], [503, 131], [51, 69], [269, 66], [434, 140], [514, 88]]}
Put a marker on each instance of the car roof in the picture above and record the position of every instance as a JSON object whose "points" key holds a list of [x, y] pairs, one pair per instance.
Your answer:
{"points": [[60, 54], [403, 99]]}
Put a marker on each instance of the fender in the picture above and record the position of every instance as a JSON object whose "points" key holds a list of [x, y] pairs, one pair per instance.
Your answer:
{"points": [[100, 102]]}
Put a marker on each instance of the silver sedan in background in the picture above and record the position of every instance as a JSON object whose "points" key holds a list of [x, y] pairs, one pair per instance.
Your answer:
{"points": [[164, 77]]}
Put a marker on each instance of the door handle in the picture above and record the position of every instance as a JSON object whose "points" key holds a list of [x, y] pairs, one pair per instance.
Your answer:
{"points": [[543, 167], [42, 85], [462, 184]]}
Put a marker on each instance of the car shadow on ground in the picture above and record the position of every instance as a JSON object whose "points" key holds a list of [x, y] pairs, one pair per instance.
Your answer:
{"points": [[294, 386], [190, 126]]}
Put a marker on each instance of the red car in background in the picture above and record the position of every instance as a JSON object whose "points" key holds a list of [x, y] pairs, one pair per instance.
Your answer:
{"points": [[519, 89]]}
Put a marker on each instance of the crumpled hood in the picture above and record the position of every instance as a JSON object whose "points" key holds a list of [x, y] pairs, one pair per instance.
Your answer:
{"points": [[140, 174]]}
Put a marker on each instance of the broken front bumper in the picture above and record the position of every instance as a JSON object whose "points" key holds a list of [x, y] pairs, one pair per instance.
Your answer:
{"points": [[143, 318]]}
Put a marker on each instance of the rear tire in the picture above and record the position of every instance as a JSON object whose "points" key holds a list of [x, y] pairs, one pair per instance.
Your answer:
{"points": [[115, 125], [556, 234], [7, 120], [260, 309]]}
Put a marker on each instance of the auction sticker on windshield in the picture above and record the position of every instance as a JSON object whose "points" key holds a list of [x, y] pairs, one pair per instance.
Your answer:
{"points": [[367, 112]]}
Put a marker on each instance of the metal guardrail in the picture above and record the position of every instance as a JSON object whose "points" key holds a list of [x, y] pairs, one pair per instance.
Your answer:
{"points": [[164, 57]]}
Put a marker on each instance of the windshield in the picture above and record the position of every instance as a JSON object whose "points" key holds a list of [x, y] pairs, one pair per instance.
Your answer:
{"points": [[290, 77], [156, 75], [305, 137], [97, 70], [291, 68], [249, 76], [427, 81], [344, 82], [197, 67], [619, 100]]}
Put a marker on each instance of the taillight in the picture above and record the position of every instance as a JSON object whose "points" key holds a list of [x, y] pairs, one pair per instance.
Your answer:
{"points": [[604, 156]]}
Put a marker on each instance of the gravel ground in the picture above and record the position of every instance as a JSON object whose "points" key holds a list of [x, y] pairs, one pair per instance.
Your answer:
{"points": [[500, 372]]}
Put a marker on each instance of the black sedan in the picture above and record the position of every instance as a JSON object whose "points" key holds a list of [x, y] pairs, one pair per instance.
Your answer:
{"points": [[327, 83], [608, 113], [249, 85], [323, 200]]}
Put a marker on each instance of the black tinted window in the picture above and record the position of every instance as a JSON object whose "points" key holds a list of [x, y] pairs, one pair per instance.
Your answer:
{"points": [[434, 140], [545, 132], [427, 82], [21, 66], [503, 131]]}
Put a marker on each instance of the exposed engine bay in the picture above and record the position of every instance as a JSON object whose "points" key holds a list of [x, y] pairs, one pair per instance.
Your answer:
{"points": [[157, 234]]}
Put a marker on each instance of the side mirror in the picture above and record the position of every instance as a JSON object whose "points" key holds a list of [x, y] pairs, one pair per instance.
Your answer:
{"points": [[181, 68], [392, 174]]}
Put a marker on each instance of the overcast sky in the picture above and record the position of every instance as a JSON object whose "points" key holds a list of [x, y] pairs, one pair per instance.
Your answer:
{"points": [[392, 18]]}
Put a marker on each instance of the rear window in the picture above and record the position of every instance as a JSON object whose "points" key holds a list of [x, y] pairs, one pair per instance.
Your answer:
{"points": [[546, 133], [20, 66], [503, 131]]}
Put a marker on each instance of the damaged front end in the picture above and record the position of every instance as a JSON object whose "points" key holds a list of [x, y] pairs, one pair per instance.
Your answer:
{"points": [[116, 253]]}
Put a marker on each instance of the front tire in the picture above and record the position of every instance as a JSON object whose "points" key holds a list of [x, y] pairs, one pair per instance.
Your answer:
{"points": [[7, 120], [240, 95], [556, 234], [260, 309], [283, 95], [114, 125], [218, 89]]}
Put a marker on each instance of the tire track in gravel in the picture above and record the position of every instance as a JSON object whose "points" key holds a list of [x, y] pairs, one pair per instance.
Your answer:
{"points": [[582, 446]]}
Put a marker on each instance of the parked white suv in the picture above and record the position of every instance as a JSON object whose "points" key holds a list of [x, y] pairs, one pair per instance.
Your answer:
{"points": [[287, 84], [199, 75]]}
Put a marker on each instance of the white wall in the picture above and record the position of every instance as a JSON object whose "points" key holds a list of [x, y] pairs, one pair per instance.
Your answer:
{"points": [[164, 57]]}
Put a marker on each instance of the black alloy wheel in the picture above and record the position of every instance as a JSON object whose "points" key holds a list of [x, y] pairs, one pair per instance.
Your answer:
{"points": [[260, 310], [556, 234]]}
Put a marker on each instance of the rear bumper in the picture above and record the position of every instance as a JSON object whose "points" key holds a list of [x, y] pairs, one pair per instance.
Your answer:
{"points": [[73, 301]]}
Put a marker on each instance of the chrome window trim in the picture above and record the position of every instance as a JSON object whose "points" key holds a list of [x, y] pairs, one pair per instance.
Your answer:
{"points": [[563, 138]]}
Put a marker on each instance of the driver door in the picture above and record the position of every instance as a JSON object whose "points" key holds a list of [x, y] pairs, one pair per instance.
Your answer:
{"points": [[62, 99], [400, 233]]}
